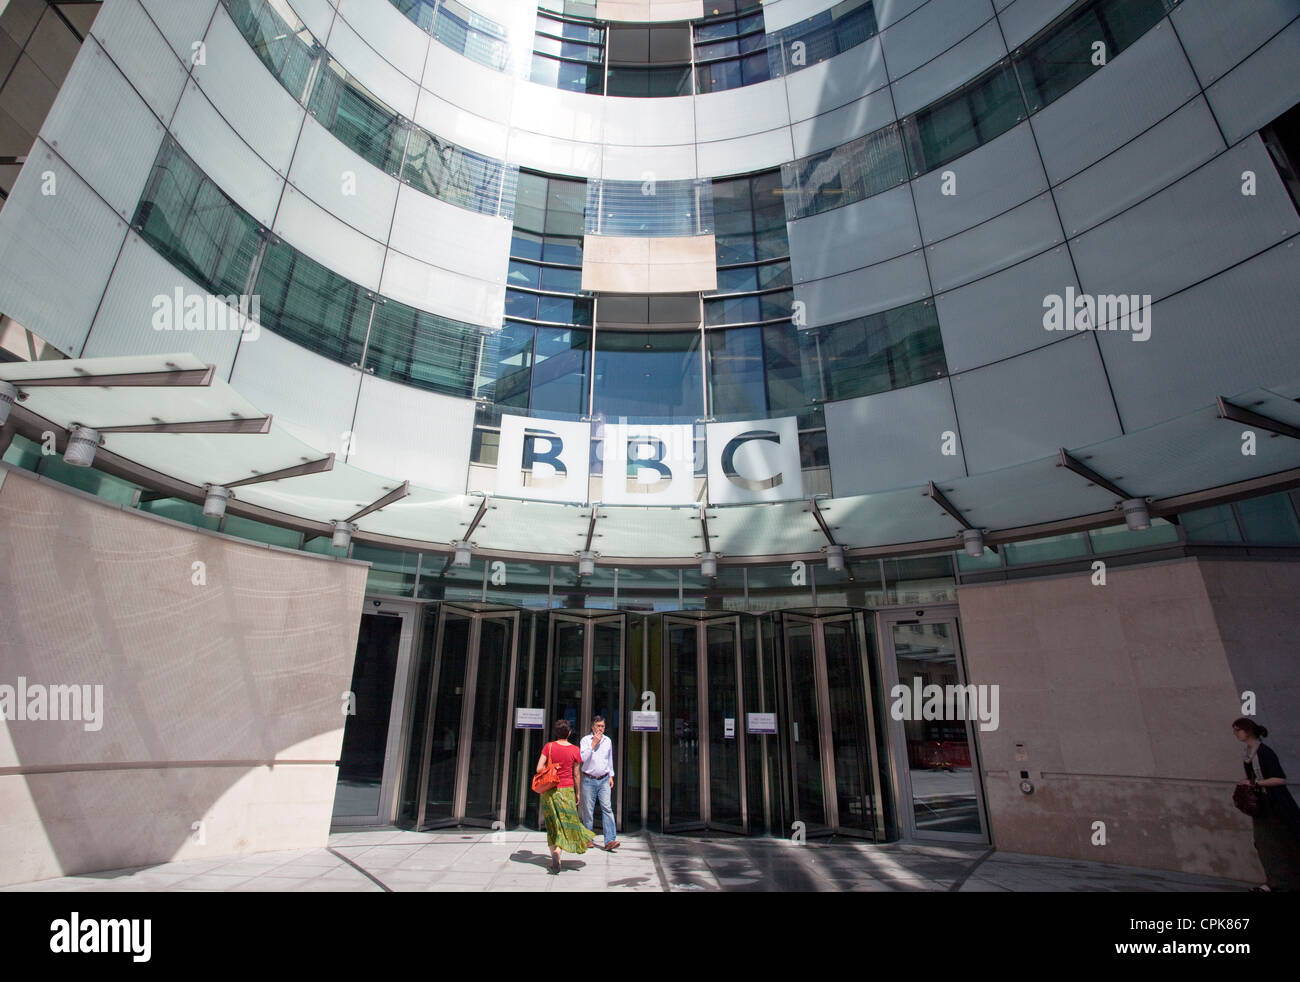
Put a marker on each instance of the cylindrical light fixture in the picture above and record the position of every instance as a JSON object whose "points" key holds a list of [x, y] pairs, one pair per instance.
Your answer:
{"points": [[82, 444], [586, 563], [708, 564], [214, 503], [1136, 515], [462, 554], [974, 540], [8, 394], [342, 535], [835, 558]]}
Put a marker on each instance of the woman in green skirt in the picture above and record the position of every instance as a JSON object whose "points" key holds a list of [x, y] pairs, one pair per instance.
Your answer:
{"points": [[564, 829]]}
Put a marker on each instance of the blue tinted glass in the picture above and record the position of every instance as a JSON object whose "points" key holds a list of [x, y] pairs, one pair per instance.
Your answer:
{"points": [[736, 374], [562, 280], [524, 274], [560, 372], [519, 304], [648, 377]]}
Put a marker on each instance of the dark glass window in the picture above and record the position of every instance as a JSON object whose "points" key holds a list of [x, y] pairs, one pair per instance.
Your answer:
{"points": [[358, 119], [286, 48], [454, 175], [1062, 55], [964, 120], [649, 82], [186, 217], [882, 351], [563, 359], [649, 377], [833, 178], [821, 36], [423, 349], [311, 306]]}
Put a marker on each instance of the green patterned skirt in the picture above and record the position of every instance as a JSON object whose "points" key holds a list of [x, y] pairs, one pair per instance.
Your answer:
{"points": [[563, 826]]}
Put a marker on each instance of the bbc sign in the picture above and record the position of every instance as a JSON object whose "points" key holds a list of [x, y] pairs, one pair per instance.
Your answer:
{"points": [[549, 460]]}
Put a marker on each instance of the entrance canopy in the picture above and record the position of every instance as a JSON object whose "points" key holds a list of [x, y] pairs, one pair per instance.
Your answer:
{"points": [[166, 422]]}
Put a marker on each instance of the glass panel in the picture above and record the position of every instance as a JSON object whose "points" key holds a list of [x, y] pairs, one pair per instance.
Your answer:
{"points": [[964, 120], [882, 351], [419, 720], [649, 82], [491, 713], [452, 174], [1068, 546], [446, 719], [854, 788], [942, 780], [365, 732], [845, 174], [192, 224], [1216, 524], [649, 377], [566, 673], [607, 658], [921, 580], [724, 705], [285, 47], [1119, 537], [805, 720], [359, 120], [1269, 519], [683, 725], [311, 306], [563, 359], [392, 571], [422, 349]]}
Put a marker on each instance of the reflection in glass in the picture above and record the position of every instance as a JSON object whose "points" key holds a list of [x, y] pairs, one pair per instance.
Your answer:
{"points": [[943, 785], [805, 736], [446, 720], [489, 728], [649, 377]]}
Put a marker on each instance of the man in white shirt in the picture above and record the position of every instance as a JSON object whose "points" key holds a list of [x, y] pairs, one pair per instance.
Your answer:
{"points": [[598, 780]]}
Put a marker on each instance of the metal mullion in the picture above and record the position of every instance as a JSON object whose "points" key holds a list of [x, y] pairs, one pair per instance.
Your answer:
{"points": [[527, 694]]}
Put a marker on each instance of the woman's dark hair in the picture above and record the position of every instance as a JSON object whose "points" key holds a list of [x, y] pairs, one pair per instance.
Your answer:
{"points": [[561, 729], [1251, 727]]}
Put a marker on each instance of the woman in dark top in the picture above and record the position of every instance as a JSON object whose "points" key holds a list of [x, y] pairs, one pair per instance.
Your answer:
{"points": [[1277, 826], [564, 829]]}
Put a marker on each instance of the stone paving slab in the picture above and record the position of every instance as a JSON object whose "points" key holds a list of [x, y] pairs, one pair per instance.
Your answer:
{"points": [[395, 860]]}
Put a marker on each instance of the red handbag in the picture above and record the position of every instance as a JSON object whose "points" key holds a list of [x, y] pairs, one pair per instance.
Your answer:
{"points": [[549, 779]]}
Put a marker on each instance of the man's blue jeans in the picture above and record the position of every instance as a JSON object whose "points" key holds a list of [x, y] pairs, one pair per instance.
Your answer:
{"points": [[591, 790]]}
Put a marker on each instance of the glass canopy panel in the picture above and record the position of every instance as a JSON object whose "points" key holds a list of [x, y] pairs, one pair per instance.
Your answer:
{"points": [[1197, 451], [888, 518], [540, 527], [660, 533], [425, 516], [126, 405], [214, 458], [1025, 494], [778, 529], [329, 497]]}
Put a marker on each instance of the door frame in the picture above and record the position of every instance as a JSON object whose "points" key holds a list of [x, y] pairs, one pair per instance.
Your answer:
{"points": [[901, 773], [394, 760]]}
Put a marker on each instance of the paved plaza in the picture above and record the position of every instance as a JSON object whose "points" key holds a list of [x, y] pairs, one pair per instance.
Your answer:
{"points": [[392, 860]]}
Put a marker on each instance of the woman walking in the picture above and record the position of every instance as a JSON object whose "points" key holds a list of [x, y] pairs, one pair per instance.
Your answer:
{"points": [[564, 829], [1277, 823]]}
